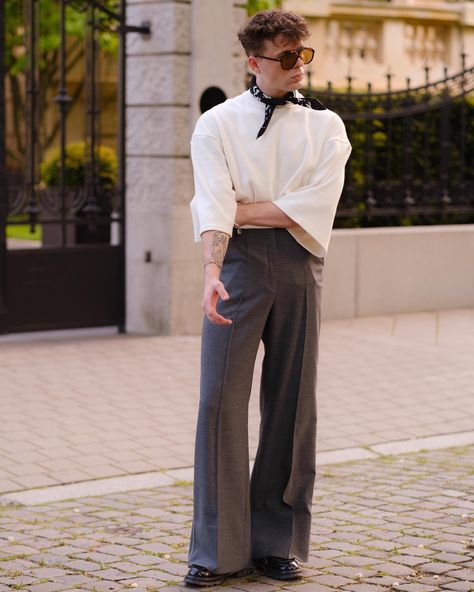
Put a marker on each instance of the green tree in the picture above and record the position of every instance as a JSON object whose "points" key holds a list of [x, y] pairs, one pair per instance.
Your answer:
{"points": [[16, 60], [254, 6]]}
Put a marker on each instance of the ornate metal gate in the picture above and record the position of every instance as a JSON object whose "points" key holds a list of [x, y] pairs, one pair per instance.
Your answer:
{"points": [[3, 205], [412, 158], [73, 274]]}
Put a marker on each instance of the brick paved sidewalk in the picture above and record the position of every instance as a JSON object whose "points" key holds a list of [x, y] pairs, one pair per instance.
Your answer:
{"points": [[393, 523], [77, 409]]}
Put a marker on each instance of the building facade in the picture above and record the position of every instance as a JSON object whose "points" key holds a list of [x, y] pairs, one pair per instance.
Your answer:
{"points": [[366, 39]]}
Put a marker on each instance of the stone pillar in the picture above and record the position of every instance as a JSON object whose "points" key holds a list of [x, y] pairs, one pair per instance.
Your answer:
{"points": [[190, 48], [218, 59]]}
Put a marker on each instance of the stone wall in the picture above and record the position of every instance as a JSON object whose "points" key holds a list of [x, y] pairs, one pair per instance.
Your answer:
{"points": [[376, 271]]}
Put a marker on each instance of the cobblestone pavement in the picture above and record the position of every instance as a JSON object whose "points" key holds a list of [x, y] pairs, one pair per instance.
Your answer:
{"points": [[77, 409], [392, 523]]}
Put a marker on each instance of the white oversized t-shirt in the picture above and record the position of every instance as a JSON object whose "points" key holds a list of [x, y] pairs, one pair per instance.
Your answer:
{"points": [[298, 164]]}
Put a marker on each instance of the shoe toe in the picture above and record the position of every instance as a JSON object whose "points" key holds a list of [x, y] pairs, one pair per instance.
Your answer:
{"points": [[280, 568], [201, 576]]}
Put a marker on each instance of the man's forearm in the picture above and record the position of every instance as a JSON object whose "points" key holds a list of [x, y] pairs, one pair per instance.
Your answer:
{"points": [[214, 248], [263, 213]]}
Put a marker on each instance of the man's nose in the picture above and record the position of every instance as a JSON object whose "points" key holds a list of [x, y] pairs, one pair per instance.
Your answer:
{"points": [[299, 62]]}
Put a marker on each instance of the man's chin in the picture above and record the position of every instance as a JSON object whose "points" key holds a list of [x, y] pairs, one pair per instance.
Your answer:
{"points": [[296, 84]]}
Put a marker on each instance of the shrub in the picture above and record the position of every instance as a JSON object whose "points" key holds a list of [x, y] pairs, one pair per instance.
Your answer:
{"points": [[75, 165]]}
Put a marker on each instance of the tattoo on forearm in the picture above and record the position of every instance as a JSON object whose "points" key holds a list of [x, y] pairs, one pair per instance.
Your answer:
{"points": [[220, 240]]}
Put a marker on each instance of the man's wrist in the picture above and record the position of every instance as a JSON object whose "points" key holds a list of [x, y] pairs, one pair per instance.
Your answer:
{"points": [[240, 215], [212, 263]]}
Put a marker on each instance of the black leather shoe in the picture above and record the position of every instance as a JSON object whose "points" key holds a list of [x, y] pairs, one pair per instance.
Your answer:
{"points": [[279, 568], [201, 576]]}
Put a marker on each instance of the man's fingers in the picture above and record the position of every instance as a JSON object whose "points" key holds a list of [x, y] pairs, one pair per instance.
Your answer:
{"points": [[217, 319], [222, 291]]}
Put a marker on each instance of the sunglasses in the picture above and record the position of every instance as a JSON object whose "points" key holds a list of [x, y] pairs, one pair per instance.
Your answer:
{"points": [[289, 58]]}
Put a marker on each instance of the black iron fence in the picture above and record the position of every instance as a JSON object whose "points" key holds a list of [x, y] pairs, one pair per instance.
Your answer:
{"points": [[412, 159]]}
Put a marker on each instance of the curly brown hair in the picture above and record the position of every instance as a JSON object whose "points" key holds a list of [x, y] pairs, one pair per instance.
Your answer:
{"points": [[268, 24]]}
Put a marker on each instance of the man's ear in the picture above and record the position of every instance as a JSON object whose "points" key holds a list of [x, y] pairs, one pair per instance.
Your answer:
{"points": [[253, 64]]}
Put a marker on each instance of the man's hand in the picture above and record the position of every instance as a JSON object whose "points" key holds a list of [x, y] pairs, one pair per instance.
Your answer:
{"points": [[213, 289], [214, 248]]}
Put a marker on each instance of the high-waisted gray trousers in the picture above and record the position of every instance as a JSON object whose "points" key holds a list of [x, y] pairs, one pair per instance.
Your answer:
{"points": [[275, 292]]}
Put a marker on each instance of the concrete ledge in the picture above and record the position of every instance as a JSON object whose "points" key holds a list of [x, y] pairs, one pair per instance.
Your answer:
{"points": [[376, 271]]}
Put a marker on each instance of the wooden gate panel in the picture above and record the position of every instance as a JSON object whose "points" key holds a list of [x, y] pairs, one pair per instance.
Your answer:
{"points": [[68, 288]]}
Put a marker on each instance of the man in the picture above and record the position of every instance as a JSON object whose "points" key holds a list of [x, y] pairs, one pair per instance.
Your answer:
{"points": [[268, 167]]}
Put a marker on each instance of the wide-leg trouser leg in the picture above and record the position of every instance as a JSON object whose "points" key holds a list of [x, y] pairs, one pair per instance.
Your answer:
{"points": [[220, 538], [262, 270], [283, 476]]}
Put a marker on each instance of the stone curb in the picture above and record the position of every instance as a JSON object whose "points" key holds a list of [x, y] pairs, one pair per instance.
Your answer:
{"points": [[137, 482]]}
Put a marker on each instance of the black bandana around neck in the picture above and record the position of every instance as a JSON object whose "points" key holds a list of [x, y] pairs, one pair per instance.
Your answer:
{"points": [[272, 102]]}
